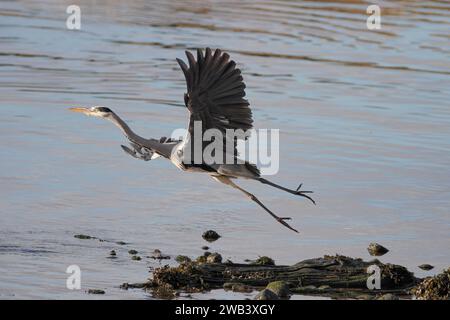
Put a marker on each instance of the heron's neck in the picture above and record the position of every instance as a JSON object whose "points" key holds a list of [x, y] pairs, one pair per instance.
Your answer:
{"points": [[153, 144]]}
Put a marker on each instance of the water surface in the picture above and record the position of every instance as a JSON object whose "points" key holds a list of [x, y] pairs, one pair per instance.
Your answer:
{"points": [[364, 118]]}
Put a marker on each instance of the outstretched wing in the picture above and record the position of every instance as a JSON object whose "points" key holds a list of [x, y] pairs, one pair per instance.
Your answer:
{"points": [[215, 91]]}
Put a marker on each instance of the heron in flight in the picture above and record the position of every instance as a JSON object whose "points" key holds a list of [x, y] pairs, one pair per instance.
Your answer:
{"points": [[215, 99]]}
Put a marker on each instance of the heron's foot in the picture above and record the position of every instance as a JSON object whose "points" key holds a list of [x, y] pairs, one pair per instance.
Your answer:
{"points": [[138, 152], [303, 193], [284, 223]]}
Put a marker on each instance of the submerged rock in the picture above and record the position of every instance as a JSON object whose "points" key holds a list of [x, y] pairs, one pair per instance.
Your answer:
{"points": [[266, 295], [426, 266], [132, 252], [126, 286], [280, 288], [376, 249], [205, 248], [434, 288], [112, 253], [214, 258], [83, 236], [210, 235], [136, 258], [96, 291], [121, 243]]}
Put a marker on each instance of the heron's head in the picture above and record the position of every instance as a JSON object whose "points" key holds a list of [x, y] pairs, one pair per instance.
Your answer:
{"points": [[101, 112]]}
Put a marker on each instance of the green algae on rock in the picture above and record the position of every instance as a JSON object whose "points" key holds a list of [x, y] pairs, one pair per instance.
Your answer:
{"points": [[280, 288]]}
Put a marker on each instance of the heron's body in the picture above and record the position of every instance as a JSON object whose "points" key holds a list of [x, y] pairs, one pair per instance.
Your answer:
{"points": [[215, 100]]}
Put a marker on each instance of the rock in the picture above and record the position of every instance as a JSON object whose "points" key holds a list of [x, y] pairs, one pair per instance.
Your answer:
{"points": [[214, 258], [96, 291], [280, 288], [132, 252], [137, 258], [264, 261], [201, 259], [210, 235], [182, 259], [324, 287], [121, 243], [158, 255], [127, 286], [376, 249], [388, 296], [205, 248], [206, 253], [237, 287], [112, 253], [83, 236], [434, 288], [266, 295], [426, 266]]}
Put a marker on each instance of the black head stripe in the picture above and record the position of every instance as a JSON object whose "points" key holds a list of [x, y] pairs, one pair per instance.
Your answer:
{"points": [[104, 109]]}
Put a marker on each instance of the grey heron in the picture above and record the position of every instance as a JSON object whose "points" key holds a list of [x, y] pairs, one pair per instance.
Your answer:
{"points": [[215, 99]]}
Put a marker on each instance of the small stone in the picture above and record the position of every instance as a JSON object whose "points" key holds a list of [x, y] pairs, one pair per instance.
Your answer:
{"points": [[158, 255], [182, 259], [121, 243], [137, 258], [388, 296], [126, 286], [210, 235], [132, 252], [206, 253], [280, 288], [376, 249], [112, 253], [266, 295], [426, 267], [96, 291], [83, 236], [264, 261], [205, 248], [214, 258]]}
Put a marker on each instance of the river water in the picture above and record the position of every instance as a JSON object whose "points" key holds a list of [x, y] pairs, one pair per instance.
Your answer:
{"points": [[364, 119]]}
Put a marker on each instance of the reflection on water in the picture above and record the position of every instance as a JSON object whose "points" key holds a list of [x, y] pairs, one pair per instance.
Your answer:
{"points": [[364, 118]]}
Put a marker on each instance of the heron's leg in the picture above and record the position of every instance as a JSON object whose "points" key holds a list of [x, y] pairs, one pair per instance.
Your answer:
{"points": [[297, 192], [281, 220]]}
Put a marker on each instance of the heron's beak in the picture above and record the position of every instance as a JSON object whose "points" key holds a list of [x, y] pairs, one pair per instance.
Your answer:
{"points": [[86, 111]]}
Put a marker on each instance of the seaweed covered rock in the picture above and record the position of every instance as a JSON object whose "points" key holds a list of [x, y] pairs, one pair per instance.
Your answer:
{"points": [[434, 288], [329, 276], [280, 288]]}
